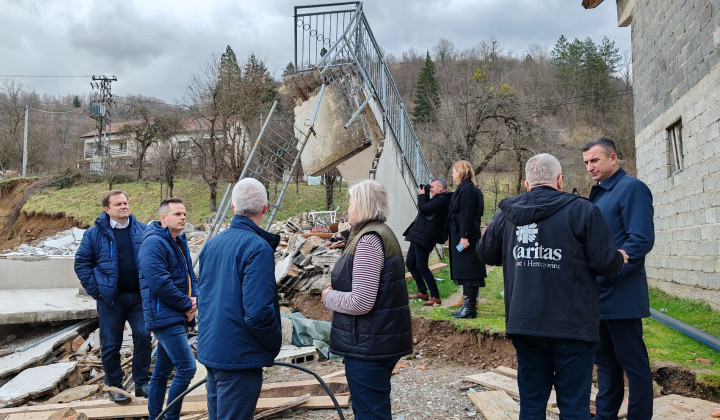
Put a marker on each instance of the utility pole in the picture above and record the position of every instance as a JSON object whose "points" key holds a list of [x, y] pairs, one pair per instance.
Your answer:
{"points": [[27, 109], [100, 111]]}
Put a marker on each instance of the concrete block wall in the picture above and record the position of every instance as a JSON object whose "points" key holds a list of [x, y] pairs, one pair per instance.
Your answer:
{"points": [[676, 67]]}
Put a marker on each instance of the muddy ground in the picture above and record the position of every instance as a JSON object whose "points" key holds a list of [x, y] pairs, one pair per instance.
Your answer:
{"points": [[18, 227]]}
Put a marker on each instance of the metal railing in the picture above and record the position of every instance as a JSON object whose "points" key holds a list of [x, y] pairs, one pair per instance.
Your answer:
{"points": [[331, 37]]}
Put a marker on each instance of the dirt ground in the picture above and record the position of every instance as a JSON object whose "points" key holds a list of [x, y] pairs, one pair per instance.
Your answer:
{"points": [[18, 227]]}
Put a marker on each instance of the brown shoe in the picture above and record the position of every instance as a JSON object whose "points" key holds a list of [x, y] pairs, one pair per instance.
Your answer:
{"points": [[418, 295], [458, 303], [433, 301]]}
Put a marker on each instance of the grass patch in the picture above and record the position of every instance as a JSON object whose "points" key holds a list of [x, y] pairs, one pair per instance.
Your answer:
{"points": [[491, 308], [82, 202], [665, 344]]}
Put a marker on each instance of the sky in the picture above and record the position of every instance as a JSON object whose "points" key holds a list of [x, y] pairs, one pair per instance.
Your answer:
{"points": [[154, 47]]}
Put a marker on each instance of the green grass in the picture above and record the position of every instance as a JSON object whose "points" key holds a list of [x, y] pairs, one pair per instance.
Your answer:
{"points": [[665, 344], [491, 309], [82, 201]]}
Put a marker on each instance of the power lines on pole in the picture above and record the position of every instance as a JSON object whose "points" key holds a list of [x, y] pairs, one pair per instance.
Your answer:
{"points": [[100, 111]]}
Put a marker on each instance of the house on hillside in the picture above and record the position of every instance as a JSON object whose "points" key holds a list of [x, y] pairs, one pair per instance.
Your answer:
{"points": [[118, 142], [676, 72]]}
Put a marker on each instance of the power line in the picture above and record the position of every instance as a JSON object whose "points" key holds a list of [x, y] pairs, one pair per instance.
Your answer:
{"points": [[80, 111], [20, 75]]}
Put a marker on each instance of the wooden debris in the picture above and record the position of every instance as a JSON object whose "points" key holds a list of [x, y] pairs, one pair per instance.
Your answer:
{"points": [[279, 409], [673, 407], [296, 388], [495, 405], [67, 414], [499, 382], [73, 394]]}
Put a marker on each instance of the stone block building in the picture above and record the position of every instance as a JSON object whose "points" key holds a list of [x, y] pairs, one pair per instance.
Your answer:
{"points": [[676, 87]]}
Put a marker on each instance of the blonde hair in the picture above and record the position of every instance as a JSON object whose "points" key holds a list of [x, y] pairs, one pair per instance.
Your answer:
{"points": [[464, 170], [370, 200]]}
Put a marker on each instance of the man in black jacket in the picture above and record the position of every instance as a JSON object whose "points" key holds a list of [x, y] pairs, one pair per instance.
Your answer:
{"points": [[423, 234], [552, 245]]}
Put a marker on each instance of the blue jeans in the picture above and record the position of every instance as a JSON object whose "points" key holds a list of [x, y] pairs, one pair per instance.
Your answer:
{"points": [[173, 350], [127, 307], [622, 349], [545, 361], [369, 384], [233, 394], [417, 263]]}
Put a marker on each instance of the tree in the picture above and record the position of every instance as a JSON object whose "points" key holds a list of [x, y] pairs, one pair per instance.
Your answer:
{"points": [[172, 151], [143, 134], [427, 99], [76, 102], [289, 69]]}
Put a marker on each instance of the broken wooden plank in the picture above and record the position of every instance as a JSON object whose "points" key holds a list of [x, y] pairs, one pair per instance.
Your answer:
{"points": [[297, 388], [433, 269], [279, 409], [672, 407], [499, 382], [107, 409], [34, 381], [504, 370], [73, 394], [495, 405]]}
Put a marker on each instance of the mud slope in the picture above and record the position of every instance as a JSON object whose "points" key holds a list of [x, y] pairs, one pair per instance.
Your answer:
{"points": [[18, 227]]}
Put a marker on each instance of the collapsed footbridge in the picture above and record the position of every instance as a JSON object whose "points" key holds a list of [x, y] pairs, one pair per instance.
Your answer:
{"points": [[348, 115]]}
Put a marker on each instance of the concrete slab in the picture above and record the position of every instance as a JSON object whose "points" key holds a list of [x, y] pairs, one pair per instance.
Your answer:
{"points": [[33, 354], [293, 354], [34, 381], [37, 272], [22, 306]]}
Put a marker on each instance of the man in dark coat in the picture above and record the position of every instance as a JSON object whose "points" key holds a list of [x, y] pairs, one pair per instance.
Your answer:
{"points": [[106, 264], [167, 284], [626, 204], [551, 245], [423, 234], [239, 329]]}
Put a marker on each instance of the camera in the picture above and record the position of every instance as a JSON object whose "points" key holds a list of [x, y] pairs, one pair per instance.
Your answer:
{"points": [[426, 187]]}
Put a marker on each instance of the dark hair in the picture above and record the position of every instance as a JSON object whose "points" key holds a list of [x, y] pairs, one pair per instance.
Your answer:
{"points": [[107, 195], [607, 144], [165, 204]]}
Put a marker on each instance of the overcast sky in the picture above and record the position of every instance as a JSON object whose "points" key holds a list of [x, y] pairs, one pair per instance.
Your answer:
{"points": [[154, 47]]}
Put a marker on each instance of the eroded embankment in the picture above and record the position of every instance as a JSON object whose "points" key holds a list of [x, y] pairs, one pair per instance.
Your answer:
{"points": [[18, 227]]}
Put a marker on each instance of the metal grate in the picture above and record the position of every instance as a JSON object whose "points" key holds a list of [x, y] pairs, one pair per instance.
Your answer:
{"points": [[331, 37]]}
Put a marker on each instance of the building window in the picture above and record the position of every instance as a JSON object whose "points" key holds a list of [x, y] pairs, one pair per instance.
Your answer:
{"points": [[675, 147], [122, 146]]}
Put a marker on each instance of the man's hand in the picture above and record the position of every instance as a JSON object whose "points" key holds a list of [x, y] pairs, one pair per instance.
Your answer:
{"points": [[190, 314], [324, 294], [421, 190], [625, 256]]}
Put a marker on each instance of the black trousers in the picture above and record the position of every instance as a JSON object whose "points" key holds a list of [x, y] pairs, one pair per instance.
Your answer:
{"points": [[417, 263], [622, 349]]}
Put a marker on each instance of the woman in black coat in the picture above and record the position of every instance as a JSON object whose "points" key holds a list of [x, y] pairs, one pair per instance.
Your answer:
{"points": [[466, 209]]}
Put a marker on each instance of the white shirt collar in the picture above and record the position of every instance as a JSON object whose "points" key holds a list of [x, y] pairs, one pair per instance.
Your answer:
{"points": [[116, 225]]}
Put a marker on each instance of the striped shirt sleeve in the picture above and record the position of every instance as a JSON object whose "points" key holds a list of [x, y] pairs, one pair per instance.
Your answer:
{"points": [[367, 265]]}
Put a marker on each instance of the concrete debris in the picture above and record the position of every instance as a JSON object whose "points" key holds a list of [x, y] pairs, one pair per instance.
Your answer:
{"points": [[34, 381], [304, 260], [63, 243]]}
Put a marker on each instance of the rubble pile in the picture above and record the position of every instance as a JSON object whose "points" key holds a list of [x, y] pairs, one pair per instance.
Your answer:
{"points": [[307, 253]]}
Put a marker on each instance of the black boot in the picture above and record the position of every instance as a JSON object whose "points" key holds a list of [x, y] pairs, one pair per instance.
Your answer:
{"points": [[468, 310]]}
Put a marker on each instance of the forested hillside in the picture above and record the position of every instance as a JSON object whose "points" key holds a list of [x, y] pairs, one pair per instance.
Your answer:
{"points": [[491, 107]]}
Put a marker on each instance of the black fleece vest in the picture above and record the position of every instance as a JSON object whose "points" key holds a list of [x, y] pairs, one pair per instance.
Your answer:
{"points": [[386, 331]]}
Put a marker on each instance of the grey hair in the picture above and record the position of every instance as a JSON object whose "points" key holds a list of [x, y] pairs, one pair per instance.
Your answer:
{"points": [[249, 196], [607, 144], [442, 182], [542, 169], [371, 201]]}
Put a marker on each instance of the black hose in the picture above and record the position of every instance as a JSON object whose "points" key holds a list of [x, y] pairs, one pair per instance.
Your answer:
{"points": [[161, 416], [687, 329]]}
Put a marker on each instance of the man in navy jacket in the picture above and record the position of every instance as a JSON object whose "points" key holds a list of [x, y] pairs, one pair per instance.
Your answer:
{"points": [[167, 285], [626, 205], [239, 328], [106, 264], [551, 245]]}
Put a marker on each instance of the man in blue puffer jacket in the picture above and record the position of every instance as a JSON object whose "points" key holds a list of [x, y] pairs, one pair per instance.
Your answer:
{"points": [[239, 320], [167, 285], [106, 264]]}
